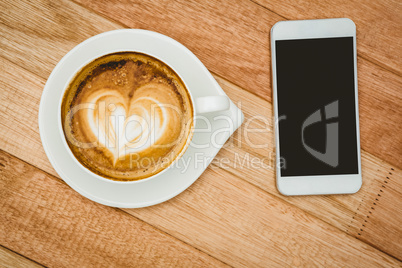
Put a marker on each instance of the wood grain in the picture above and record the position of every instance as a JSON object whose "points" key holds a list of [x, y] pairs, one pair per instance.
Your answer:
{"points": [[247, 27], [336, 210], [229, 37], [37, 206], [10, 259], [46, 220], [36, 36], [379, 90], [379, 24]]}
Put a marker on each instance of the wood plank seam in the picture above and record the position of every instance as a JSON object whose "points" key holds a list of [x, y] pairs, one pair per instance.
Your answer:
{"points": [[22, 256], [174, 237], [118, 209], [258, 4], [367, 59], [379, 65], [101, 15], [218, 76]]}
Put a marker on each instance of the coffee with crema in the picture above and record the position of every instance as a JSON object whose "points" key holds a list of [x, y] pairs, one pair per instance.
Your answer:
{"points": [[127, 116]]}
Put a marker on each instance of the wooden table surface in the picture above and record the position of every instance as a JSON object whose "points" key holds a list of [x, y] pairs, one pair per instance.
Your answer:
{"points": [[231, 216]]}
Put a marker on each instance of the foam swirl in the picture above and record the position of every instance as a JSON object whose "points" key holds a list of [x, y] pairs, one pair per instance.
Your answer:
{"points": [[123, 125]]}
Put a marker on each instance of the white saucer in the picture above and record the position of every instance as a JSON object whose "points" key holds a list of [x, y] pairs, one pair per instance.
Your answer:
{"points": [[177, 178]]}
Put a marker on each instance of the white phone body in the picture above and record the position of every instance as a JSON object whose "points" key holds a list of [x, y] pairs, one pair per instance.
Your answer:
{"points": [[314, 184]]}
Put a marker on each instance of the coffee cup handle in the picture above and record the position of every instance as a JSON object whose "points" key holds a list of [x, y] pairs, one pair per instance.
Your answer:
{"points": [[212, 104]]}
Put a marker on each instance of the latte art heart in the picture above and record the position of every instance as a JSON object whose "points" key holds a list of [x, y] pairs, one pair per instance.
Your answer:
{"points": [[129, 126], [127, 116]]}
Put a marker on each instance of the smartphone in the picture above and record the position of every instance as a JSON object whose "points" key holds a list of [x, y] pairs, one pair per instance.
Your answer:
{"points": [[314, 79]]}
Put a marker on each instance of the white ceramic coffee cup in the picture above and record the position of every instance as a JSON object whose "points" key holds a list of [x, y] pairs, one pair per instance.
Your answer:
{"points": [[201, 105]]}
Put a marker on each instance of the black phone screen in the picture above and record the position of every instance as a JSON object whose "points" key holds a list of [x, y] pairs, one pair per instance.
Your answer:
{"points": [[316, 106]]}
